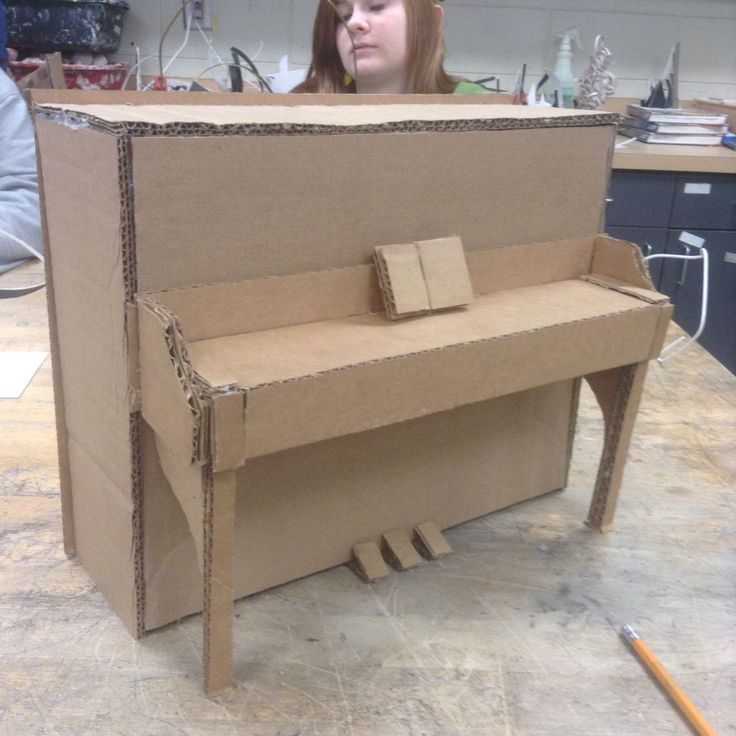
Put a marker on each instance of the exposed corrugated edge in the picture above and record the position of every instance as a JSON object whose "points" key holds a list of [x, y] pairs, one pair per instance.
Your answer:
{"points": [[129, 282], [620, 415], [127, 217], [650, 296], [138, 526], [384, 281], [614, 427], [572, 426], [179, 129], [195, 388], [208, 501]]}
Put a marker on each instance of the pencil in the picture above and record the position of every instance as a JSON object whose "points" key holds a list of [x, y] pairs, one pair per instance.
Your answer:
{"points": [[676, 693]]}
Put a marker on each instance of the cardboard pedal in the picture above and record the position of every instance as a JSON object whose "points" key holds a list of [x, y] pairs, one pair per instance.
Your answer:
{"points": [[368, 562], [430, 541], [399, 550]]}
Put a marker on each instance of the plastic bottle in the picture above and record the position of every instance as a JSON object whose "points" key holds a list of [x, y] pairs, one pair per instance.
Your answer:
{"points": [[563, 65]]}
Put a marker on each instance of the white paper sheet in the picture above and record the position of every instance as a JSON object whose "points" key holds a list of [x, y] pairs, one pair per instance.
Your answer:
{"points": [[16, 371]]}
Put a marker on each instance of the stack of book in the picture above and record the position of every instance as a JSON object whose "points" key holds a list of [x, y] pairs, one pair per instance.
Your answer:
{"points": [[673, 125]]}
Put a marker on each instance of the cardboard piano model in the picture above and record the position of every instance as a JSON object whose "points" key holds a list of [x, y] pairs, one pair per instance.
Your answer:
{"points": [[234, 402]]}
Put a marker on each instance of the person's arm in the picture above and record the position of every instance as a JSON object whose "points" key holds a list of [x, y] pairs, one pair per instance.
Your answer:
{"points": [[19, 208]]}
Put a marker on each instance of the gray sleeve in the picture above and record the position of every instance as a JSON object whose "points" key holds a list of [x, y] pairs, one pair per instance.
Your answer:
{"points": [[19, 208]]}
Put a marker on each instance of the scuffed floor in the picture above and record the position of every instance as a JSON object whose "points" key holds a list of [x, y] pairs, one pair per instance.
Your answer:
{"points": [[514, 634]]}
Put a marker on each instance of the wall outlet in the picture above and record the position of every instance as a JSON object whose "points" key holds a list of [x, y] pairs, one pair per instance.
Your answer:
{"points": [[198, 11]]}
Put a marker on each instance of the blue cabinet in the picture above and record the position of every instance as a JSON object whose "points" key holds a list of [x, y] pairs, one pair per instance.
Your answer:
{"points": [[638, 210], [705, 202], [652, 209], [682, 281], [640, 198]]}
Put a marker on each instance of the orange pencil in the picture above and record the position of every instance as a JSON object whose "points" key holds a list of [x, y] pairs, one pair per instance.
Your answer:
{"points": [[677, 694]]}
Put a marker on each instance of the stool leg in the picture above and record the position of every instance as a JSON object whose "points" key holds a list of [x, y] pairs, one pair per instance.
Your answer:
{"points": [[618, 392], [219, 553]]}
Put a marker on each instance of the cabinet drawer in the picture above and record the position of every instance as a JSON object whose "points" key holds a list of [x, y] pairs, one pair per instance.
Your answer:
{"points": [[706, 201], [650, 240], [685, 289], [637, 198]]}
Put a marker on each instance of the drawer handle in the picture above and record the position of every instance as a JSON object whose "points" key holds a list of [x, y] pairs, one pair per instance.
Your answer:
{"points": [[683, 270]]}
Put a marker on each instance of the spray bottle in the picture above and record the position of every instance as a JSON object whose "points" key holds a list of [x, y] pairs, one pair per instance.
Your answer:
{"points": [[563, 66]]}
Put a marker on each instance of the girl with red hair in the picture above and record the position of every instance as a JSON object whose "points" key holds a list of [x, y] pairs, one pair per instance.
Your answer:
{"points": [[381, 47]]}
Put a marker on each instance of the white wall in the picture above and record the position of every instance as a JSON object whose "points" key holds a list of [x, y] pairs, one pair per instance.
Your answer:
{"points": [[484, 37]]}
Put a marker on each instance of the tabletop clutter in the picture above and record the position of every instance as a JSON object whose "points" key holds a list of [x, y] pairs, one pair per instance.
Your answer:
{"points": [[85, 32], [674, 125]]}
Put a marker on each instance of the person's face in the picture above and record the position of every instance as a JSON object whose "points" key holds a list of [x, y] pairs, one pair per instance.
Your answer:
{"points": [[379, 43]]}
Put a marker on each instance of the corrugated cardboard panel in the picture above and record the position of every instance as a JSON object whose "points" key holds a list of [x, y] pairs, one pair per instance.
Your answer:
{"points": [[301, 351], [621, 260], [219, 310], [527, 264], [290, 212], [499, 452], [62, 438], [86, 257], [173, 581], [376, 394], [229, 438], [96, 387], [187, 482], [105, 543], [232, 309], [82, 210]]}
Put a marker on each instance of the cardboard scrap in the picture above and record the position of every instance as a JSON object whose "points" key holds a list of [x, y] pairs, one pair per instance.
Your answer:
{"points": [[368, 562], [422, 277], [17, 369], [399, 550], [430, 540]]}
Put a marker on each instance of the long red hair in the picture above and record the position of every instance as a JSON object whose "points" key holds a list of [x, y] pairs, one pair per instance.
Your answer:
{"points": [[426, 50]]}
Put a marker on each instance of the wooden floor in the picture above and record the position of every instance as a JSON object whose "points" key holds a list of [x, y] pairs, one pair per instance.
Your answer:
{"points": [[515, 633]]}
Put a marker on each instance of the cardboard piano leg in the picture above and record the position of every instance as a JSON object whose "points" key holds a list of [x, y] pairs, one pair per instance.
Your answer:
{"points": [[618, 392], [208, 502], [219, 556]]}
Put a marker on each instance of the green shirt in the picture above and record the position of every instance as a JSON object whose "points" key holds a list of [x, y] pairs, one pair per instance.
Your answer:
{"points": [[469, 88]]}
